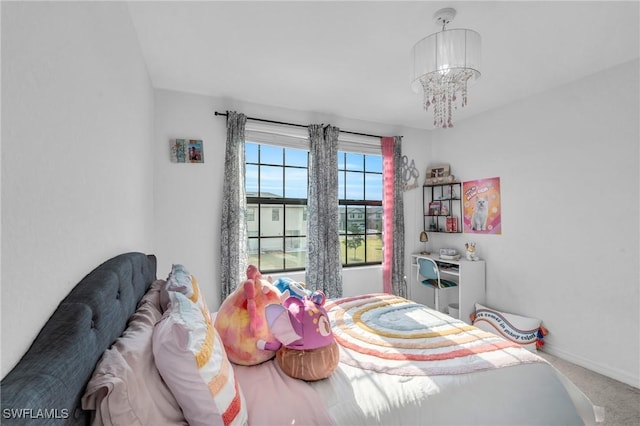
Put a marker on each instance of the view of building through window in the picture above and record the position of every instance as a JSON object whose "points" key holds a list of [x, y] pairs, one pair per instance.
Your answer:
{"points": [[276, 188]]}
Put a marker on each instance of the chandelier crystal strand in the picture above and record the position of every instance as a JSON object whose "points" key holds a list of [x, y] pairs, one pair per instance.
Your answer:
{"points": [[445, 93]]}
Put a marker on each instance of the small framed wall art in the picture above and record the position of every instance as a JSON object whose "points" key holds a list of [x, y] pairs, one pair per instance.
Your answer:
{"points": [[186, 151]]}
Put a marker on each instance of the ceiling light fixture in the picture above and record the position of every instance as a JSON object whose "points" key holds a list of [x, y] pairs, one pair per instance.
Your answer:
{"points": [[443, 64]]}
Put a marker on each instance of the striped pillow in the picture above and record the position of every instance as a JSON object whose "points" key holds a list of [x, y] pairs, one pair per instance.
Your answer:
{"points": [[527, 332], [192, 361]]}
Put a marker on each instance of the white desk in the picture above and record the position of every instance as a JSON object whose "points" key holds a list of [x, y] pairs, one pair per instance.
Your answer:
{"points": [[469, 275]]}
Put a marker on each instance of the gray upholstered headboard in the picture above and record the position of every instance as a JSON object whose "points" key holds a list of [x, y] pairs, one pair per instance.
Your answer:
{"points": [[46, 385]]}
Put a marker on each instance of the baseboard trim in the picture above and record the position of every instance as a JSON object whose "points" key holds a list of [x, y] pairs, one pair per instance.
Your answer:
{"points": [[614, 373]]}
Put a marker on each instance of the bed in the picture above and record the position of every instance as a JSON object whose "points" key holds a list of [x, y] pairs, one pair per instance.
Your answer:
{"points": [[93, 363]]}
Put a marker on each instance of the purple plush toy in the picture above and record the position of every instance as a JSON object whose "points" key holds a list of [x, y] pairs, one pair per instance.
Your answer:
{"points": [[305, 348]]}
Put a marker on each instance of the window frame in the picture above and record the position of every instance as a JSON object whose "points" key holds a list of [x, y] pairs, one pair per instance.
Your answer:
{"points": [[262, 134]]}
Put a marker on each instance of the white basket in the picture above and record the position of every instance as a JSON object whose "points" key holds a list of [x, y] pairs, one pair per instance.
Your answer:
{"points": [[454, 310]]}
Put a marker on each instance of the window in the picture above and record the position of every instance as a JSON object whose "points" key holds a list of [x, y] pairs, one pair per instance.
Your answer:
{"points": [[360, 200], [276, 188]]}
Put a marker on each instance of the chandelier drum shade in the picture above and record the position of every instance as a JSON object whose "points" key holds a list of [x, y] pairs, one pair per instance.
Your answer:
{"points": [[444, 63]]}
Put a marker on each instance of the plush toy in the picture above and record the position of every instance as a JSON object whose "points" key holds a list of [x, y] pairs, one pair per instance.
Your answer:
{"points": [[289, 287], [241, 321], [305, 345], [471, 251]]}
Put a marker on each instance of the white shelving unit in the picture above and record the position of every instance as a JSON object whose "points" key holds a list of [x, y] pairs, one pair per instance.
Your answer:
{"points": [[470, 276]]}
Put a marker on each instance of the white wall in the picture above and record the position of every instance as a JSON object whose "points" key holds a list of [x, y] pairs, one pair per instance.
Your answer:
{"points": [[569, 250], [188, 196], [77, 110]]}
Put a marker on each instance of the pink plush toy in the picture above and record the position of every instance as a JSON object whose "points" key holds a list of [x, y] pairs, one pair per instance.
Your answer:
{"points": [[241, 321], [305, 348]]}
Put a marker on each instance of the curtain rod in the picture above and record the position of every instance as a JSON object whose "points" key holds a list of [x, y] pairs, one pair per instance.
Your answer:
{"points": [[224, 114]]}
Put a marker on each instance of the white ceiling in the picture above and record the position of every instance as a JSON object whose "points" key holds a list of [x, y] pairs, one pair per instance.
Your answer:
{"points": [[352, 58]]}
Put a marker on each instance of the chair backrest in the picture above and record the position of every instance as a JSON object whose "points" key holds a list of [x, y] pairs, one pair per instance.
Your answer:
{"points": [[427, 269]]}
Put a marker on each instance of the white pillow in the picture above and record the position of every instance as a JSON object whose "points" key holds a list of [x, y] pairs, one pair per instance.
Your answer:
{"points": [[192, 361], [526, 332], [182, 281]]}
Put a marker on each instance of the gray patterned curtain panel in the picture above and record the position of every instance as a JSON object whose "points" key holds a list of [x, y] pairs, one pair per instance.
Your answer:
{"points": [[233, 243], [324, 267], [399, 284]]}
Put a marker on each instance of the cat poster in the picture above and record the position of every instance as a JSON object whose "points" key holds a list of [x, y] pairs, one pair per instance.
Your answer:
{"points": [[481, 206]]}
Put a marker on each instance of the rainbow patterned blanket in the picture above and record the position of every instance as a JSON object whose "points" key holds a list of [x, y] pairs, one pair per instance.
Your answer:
{"points": [[389, 334]]}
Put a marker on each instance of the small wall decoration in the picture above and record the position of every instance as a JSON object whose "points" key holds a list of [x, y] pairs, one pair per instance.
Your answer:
{"points": [[481, 203], [409, 172], [186, 151]]}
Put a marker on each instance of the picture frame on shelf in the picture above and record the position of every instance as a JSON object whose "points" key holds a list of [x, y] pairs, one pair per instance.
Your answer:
{"points": [[435, 208], [440, 173], [441, 170]]}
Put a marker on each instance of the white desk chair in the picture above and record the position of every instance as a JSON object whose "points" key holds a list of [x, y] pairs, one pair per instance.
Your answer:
{"points": [[429, 274]]}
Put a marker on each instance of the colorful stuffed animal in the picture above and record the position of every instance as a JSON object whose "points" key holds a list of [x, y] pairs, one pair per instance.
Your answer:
{"points": [[289, 287], [241, 320], [305, 348]]}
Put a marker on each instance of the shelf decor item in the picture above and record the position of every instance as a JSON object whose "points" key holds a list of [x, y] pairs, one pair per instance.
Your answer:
{"points": [[424, 238], [410, 174], [438, 174], [470, 251], [434, 208]]}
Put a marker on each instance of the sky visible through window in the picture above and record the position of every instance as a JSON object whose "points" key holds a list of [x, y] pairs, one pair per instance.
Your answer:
{"points": [[359, 185]]}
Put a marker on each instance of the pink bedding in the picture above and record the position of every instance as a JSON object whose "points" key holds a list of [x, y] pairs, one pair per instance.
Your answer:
{"points": [[273, 398], [126, 387]]}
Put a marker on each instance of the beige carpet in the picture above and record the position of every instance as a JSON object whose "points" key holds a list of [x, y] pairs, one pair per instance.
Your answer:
{"points": [[619, 403]]}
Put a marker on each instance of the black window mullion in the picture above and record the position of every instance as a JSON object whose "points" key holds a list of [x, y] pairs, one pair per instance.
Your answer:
{"points": [[284, 213]]}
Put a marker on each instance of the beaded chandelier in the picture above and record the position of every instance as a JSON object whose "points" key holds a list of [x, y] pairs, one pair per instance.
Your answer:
{"points": [[444, 63]]}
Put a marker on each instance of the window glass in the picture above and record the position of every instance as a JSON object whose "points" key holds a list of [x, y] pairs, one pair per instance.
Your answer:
{"points": [[295, 157], [295, 252], [373, 186], [354, 162], [251, 179], [373, 163], [271, 254], [271, 154], [271, 182], [251, 152], [295, 182], [354, 186], [270, 224], [278, 232]]}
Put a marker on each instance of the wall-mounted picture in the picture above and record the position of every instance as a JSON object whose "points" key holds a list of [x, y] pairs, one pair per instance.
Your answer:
{"points": [[186, 151], [481, 203], [195, 151]]}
